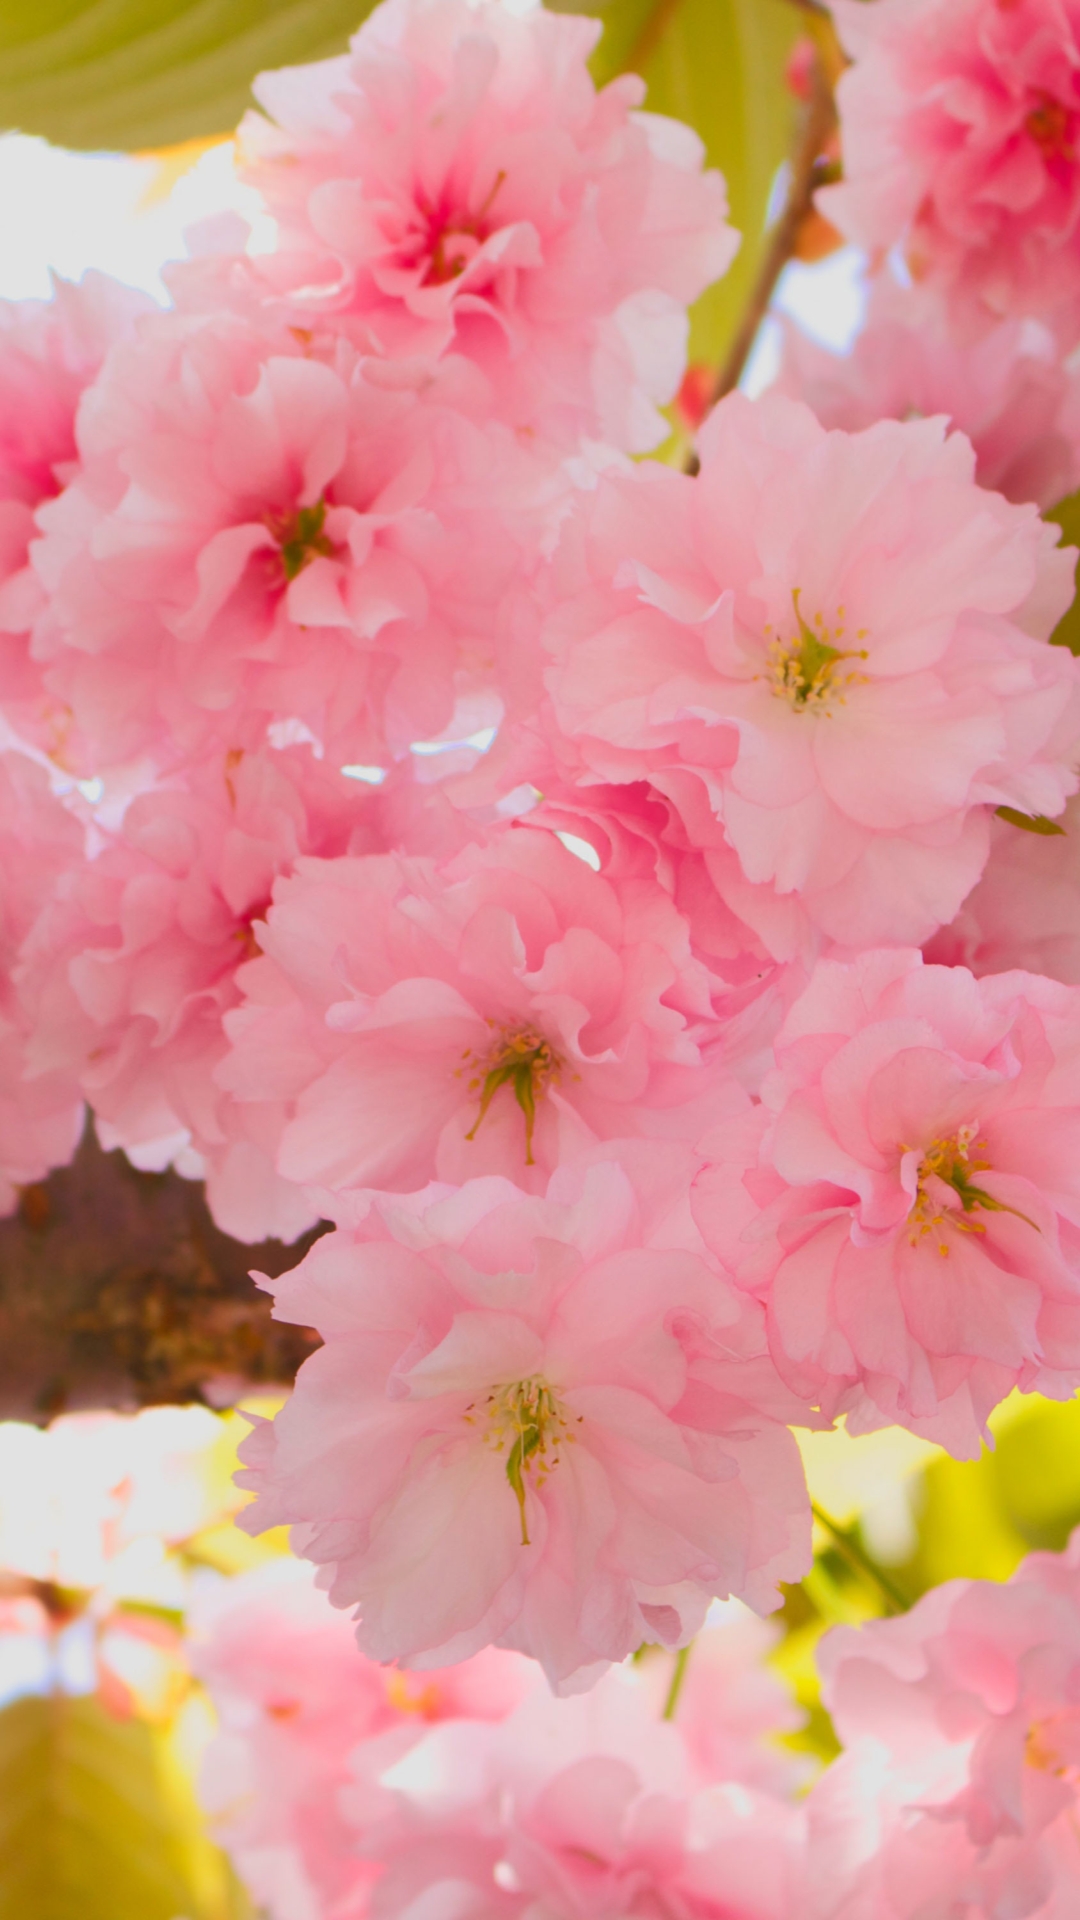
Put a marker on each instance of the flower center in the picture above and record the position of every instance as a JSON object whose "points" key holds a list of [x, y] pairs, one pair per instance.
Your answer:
{"points": [[954, 1159], [1048, 1745], [806, 675], [300, 536], [1049, 124], [412, 1693], [527, 1422], [521, 1059], [283, 1709], [456, 238]]}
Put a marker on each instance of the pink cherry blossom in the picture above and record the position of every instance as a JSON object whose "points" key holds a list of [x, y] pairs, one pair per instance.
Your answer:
{"points": [[1025, 911], [555, 1403], [959, 123], [300, 1712], [258, 534], [906, 1200], [49, 353], [41, 1112], [580, 1809], [957, 1793], [1009, 392], [487, 1015], [457, 181], [731, 1707], [829, 645], [138, 966]]}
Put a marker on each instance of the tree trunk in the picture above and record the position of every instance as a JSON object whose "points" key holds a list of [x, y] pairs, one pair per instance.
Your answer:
{"points": [[117, 1290]]}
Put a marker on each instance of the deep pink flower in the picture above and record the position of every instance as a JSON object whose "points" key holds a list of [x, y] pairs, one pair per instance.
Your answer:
{"points": [[556, 1404], [1009, 392], [50, 350], [960, 123], [259, 532], [907, 1200], [457, 182], [41, 1111], [490, 1014], [958, 1790], [830, 646]]}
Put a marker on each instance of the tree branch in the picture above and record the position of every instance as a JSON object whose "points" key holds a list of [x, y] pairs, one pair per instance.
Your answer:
{"points": [[117, 1290], [818, 121]]}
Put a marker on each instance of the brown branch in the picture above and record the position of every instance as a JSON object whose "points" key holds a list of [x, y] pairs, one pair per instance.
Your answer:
{"points": [[818, 121], [117, 1290]]}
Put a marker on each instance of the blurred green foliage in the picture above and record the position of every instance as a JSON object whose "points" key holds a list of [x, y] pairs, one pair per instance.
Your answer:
{"points": [[973, 1519], [98, 1821], [150, 73]]}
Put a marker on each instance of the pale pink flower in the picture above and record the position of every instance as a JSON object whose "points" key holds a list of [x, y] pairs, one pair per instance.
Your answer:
{"points": [[1025, 911], [41, 842], [1009, 392], [50, 350], [958, 1790], [581, 1809], [300, 1713], [907, 1200], [542, 1423], [457, 182], [491, 1014], [960, 122], [831, 646], [134, 972], [756, 947], [258, 534], [731, 1709]]}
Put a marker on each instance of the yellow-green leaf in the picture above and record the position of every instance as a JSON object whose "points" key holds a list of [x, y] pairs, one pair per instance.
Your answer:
{"points": [[1066, 515], [151, 73], [718, 65], [97, 1821]]}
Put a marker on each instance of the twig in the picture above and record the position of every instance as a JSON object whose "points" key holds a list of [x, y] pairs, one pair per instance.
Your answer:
{"points": [[818, 121], [858, 1558], [651, 35], [677, 1677]]}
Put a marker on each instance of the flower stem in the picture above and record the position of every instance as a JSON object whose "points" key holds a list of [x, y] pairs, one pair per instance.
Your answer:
{"points": [[678, 1675], [849, 1547]]}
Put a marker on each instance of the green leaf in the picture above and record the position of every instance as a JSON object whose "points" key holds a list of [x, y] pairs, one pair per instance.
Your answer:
{"points": [[1030, 822], [97, 1821], [1066, 515], [718, 65], [151, 73]]}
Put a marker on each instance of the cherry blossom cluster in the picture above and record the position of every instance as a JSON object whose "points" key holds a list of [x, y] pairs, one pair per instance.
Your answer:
{"points": [[343, 1788], [604, 893]]}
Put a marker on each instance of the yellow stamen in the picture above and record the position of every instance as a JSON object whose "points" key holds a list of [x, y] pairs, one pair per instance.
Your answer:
{"points": [[952, 1160], [805, 675], [526, 1416], [523, 1060]]}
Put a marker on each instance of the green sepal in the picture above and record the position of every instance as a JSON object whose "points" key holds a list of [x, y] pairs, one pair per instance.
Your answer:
{"points": [[1030, 822]]}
